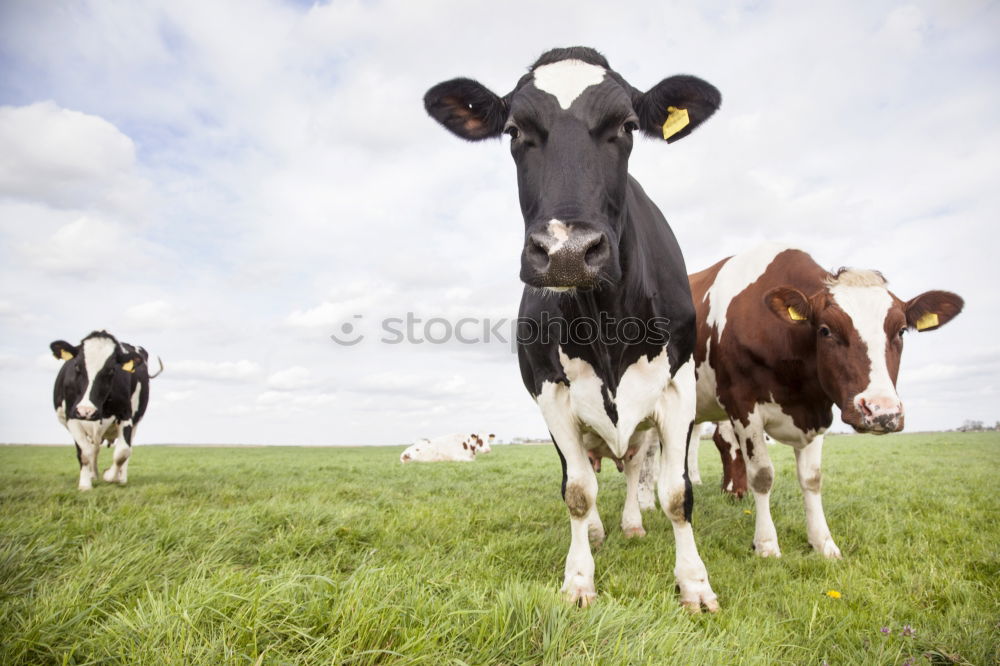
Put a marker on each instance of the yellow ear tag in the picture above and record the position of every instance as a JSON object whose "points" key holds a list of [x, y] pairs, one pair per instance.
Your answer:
{"points": [[795, 314], [677, 119], [65, 355], [928, 320], [128, 366]]}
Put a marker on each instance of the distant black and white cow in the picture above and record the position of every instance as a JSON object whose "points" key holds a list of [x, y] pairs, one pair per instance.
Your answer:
{"points": [[100, 395], [598, 258]]}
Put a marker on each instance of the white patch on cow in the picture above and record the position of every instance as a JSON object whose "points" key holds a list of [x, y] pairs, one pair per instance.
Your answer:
{"points": [[736, 275], [567, 79], [136, 395], [707, 391], [585, 399], [780, 425], [863, 296], [559, 231], [639, 391], [728, 436], [61, 413], [96, 352]]}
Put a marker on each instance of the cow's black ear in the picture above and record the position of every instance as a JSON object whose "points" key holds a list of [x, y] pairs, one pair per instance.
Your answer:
{"points": [[672, 108], [467, 108], [63, 350], [128, 359]]}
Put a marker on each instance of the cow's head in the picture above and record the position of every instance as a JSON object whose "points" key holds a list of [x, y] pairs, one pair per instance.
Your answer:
{"points": [[857, 327], [571, 121], [93, 368]]}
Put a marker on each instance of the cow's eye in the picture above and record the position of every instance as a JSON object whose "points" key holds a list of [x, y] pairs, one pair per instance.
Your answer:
{"points": [[512, 132], [901, 333], [824, 331], [630, 126]]}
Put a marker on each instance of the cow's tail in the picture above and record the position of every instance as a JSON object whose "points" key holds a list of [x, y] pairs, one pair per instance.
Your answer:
{"points": [[157, 373]]}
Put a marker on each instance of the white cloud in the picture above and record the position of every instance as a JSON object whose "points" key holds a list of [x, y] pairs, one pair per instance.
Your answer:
{"points": [[153, 314], [223, 371], [86, 245], [291, 379], [62, 157]]}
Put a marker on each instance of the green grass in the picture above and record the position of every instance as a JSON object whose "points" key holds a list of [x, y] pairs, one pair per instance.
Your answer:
{"points": [[310, 556]]}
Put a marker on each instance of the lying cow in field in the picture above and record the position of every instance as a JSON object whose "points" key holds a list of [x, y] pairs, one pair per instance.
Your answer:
{"points": [[597, 253], [461, 448], [780, 341], [100, 395]]}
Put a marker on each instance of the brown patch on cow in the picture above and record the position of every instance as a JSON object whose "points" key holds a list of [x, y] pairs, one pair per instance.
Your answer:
{"points": [[675, 506], [749, 447], [465, 446], [814, 482], [762, 480], [577, 500]]}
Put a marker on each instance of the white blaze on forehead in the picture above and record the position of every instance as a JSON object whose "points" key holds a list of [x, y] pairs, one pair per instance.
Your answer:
{"points": [[96, 352], [736, 275], [867, 306], [567, 79]]}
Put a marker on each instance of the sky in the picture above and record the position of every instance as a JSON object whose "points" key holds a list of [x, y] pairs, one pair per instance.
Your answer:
{"points": [[230, 183]]}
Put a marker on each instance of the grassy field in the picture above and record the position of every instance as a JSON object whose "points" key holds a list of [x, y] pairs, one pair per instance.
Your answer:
{"points": [[310, 556]]}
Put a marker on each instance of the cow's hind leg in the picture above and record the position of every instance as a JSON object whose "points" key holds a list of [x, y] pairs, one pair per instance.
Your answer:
{"points": [[640, 443], [118, 472], [579, 493], [649, 473], [760, 474], [694, 471], [675, 422], [808, 467]]}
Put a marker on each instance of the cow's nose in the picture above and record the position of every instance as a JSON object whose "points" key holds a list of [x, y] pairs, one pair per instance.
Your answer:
{"points": [[85, 411], [573, 260], [881, 414]]}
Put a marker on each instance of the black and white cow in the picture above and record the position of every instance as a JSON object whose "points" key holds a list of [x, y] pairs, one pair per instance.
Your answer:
{"points": [[100, 395], [598, 255]]}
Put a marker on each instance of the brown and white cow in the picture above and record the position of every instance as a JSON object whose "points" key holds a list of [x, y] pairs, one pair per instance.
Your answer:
{"points": [[780, 341]]}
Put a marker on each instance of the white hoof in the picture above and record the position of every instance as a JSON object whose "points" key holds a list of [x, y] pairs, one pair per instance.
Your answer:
{"points": [[767, 548], [85, 486], [633, 531], [580, 591], [110, 475], [696, 592], [828, 549]]}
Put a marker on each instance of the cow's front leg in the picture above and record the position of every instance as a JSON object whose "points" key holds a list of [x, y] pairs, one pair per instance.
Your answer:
{"points": [[674, 423], [579, 493], [760, 474], [639, 445], [808, 467], [118, 472], [86, 454]]}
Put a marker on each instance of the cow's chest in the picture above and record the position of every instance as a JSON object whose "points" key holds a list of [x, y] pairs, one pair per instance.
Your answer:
{"points": [[613, 408]]}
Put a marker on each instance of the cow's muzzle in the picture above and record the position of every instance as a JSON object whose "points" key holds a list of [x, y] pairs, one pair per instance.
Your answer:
{"points": [[878, 415], [576, 258], [85, 411]]}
